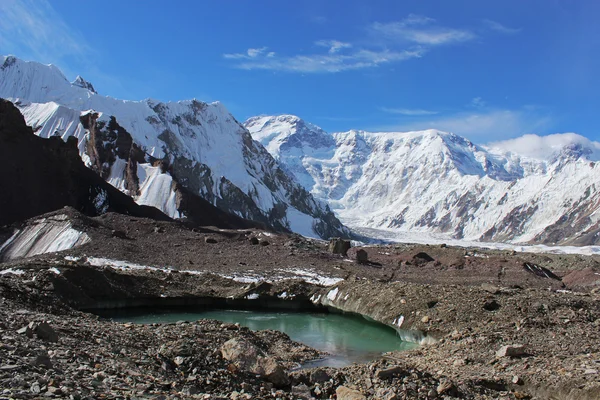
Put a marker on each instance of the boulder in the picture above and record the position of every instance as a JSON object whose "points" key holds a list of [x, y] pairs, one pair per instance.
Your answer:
{"points": [[362, 257], [319, 375], [516, 350], [422, 258], [45, 332], [247, 357], [339, 246]]}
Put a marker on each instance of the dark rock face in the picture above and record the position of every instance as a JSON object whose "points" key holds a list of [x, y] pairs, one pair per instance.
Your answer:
{"points": [[47, 174], [339, 246]]}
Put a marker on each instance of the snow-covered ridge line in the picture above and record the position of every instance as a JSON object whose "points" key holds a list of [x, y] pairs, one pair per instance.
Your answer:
{"points": [[307, 275], [433, 182], [203, 147]]}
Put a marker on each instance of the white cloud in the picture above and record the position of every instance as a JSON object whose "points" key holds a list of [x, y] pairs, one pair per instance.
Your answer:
{"points": [[252, 53], [333, 45], [249, 54], [544, 147], [498, 27], [409, 38], [33, 29], [320, 63], [477, 102], [480, 126], [420, 30], [408, 111]]}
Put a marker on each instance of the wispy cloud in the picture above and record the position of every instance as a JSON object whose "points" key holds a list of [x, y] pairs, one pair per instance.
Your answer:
{"points": [[249, 54], [408, 111], [421, 30], [498, 27], [386, 43], [33, 29], [334, 46], [545, 147], [315, 63]]}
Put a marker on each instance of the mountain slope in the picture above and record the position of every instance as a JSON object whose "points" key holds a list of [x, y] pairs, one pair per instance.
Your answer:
{"points": [[151, 150], [52, 177], [437, 182]]}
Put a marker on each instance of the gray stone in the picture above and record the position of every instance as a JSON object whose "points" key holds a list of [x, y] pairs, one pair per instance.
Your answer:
{"points": [[26, 330], [301, 392], [319, 375], [386, 394], [388, 372], [42, 360], [516, 350], [490, 288]]}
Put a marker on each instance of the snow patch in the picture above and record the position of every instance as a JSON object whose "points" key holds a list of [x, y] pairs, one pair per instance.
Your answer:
{"points": [[12, 271], [45, 235], [332, 294]]}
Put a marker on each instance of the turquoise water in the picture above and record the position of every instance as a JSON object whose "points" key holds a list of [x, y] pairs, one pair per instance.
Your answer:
{"points": [[347, 338]]}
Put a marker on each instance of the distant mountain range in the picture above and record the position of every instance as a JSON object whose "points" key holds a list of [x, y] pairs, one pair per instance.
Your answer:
{"points": [[288, 174], [166, 155], [437, 182]]}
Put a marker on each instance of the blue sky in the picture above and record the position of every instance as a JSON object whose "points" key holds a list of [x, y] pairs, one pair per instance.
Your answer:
{"points": [[486, 70]]}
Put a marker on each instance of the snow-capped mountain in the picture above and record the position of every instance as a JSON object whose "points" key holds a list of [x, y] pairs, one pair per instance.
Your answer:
{"points": [[163, 154], [437, 182]]}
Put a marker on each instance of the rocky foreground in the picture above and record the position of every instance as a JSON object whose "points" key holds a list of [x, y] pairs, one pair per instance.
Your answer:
{"points": [[493, 324]]}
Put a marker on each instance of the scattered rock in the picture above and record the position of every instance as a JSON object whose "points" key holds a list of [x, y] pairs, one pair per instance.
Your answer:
{"points": [[425, 319], [209, 239], [264, 242], [445, 387], [517, 380]]}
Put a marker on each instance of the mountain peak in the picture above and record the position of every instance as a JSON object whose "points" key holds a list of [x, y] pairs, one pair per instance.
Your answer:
{"points": [[79, 81]]}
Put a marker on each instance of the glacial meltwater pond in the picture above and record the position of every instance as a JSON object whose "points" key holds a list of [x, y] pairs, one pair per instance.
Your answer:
{"points": [[347, 338]]}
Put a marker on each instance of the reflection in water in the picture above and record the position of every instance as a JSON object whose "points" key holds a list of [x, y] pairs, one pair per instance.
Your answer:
{"points": [[347, 338]]}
